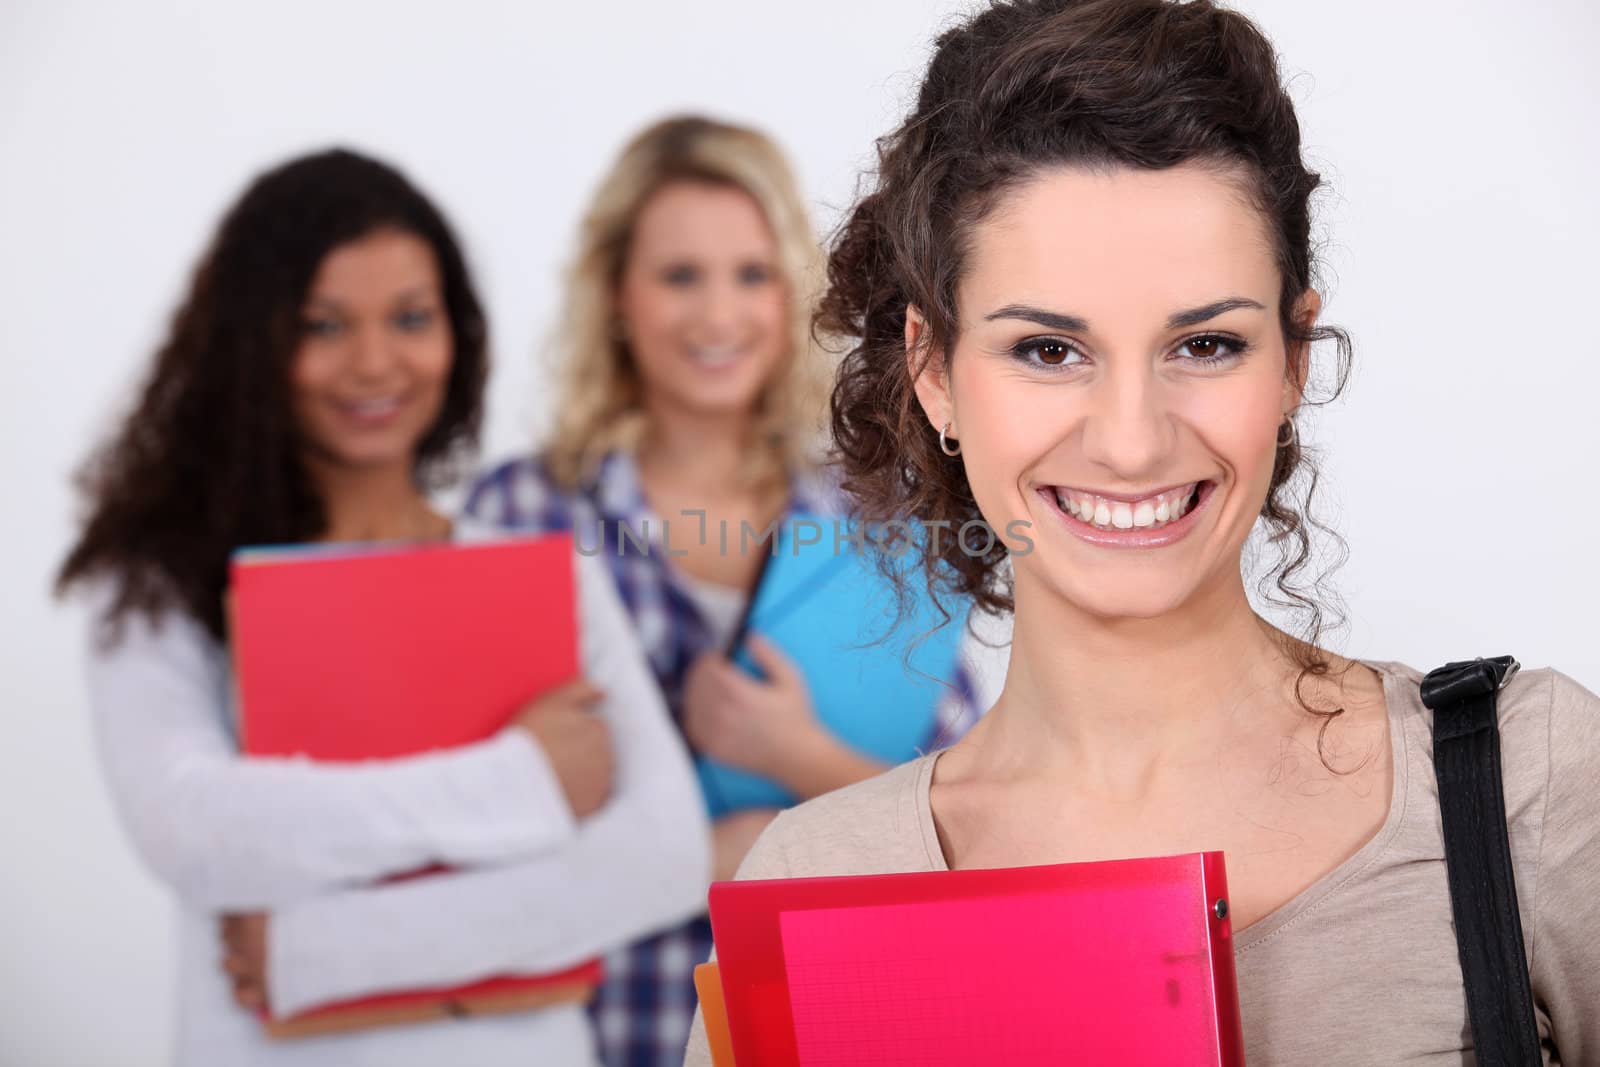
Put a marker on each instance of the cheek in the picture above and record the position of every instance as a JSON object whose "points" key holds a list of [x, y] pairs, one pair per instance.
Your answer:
{"points": [[311, 370], [1239, 423], [653, 312], [771, 309], [1004, 426], [1007, 421], [434, 359]]}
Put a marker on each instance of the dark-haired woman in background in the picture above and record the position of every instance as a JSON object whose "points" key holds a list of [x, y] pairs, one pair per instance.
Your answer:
{"points": [[327, 363], [1087, 251]]}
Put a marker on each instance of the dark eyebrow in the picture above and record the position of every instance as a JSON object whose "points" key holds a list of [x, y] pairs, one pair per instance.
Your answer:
{"points": [[1072, 323], [422, 291], [1041, 317], [1195, 316]]}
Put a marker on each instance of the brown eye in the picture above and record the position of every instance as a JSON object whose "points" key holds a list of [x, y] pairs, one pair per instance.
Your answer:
{"points": [[1046, 352], [1212, 349], [1053, 353], [321, 327]]}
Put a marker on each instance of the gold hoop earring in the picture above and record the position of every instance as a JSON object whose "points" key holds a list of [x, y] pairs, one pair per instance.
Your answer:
{"points": [[945, 443]]}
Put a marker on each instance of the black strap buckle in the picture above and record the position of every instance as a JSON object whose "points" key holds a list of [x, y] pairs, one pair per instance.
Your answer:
{"points": [[1465, 680]]}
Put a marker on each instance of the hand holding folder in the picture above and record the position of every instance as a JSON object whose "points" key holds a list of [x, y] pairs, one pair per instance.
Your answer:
{"points": [[876, 674], [1125, 961], [345, 654]]}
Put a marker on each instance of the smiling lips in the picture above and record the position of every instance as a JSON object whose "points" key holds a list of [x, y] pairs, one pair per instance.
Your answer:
{"points": [[716, 357], [374, 411], [1134, 522]]}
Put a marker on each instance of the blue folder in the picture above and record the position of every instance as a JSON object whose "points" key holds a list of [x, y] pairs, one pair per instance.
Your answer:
{"points": [[875, 676]]}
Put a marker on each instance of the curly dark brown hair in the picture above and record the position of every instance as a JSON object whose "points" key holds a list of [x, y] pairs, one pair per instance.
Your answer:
{"points": [[209, 458], [1023, 86]]}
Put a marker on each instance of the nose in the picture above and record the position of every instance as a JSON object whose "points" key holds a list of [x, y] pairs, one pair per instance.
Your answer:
{"points": [[372, 352], [1128, 430], [721, 309]]}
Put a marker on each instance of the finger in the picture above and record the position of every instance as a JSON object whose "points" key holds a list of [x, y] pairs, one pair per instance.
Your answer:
{"points": [[581, 696], [779, 668], [699, 722], [561, 703], [740, 691], [578, 690], [704, 659], [728, 689]]}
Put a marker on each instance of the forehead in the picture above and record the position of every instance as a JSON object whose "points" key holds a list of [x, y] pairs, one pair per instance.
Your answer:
{"points": [[701, 219], [378, 264], [1120, 242]]}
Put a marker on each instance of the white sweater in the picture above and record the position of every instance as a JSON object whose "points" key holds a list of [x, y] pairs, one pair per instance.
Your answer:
{"points": [[537, 890]]}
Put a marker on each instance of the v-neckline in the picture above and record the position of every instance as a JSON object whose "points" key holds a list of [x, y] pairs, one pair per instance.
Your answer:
{"points": [[1395, 707]]}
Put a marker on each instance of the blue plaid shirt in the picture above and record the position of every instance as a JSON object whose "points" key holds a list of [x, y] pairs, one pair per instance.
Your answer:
{"points": [[645, 1006]]}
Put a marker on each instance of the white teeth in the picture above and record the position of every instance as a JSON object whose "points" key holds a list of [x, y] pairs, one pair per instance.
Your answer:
{"points": [[1111, 514], [714, 357]]}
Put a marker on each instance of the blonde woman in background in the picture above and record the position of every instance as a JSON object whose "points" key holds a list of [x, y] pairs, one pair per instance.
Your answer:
{"points": [[691, 404]]}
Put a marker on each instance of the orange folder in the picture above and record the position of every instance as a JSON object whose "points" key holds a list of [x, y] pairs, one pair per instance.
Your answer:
{"points": [[344, 654], [714, 1014]]}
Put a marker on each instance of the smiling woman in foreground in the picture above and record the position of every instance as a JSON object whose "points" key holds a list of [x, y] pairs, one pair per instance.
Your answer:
{"points": [[1082, 293]]}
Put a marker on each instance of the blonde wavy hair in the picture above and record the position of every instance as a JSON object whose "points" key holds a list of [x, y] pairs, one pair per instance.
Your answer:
{"points": [[601, 407]]}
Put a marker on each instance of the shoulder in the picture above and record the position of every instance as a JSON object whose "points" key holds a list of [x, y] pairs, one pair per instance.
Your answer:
{"points": [[1550, 733], [1532, 702], [1570, 716], [519, 493], [871, 827], [1549, 740], [139, 642]]}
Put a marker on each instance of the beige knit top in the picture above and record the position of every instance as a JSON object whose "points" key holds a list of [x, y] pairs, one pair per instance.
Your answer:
{"points": [[1361, 967]]}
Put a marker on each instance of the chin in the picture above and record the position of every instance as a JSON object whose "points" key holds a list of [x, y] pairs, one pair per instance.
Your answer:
{"points": [[372, 455], [1111, 597], [723, 402]]}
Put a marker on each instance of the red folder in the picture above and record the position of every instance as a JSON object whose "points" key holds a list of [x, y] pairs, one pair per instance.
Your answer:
{"points": [[345, 654], [1125, 962]]}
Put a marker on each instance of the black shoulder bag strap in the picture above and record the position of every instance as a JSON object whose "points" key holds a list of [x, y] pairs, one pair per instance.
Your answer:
{"points": [[1477, 852]]}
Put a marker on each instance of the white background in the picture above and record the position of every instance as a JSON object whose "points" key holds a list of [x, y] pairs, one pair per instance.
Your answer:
{"points": [[1459, 137]]}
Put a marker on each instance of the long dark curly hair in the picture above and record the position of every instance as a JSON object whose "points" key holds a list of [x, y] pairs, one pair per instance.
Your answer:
{"points": [[1023, 86], [208, 459]]}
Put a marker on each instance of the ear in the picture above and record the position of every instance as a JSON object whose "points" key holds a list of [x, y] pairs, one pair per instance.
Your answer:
{"points": [[1298, 366], [929, 374]]}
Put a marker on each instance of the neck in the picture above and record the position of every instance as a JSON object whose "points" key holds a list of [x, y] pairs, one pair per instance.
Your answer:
{"points": [[375, 504], [703, 452], [1115, 702]]}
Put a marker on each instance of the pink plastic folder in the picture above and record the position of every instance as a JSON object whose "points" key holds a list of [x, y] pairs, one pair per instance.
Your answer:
{"points": [[1125, 962], [366, 653], [348, 653]]}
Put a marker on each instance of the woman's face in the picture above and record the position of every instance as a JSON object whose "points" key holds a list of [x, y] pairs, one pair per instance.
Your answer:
{"points": [[369, 378], [701, 300], [1119, 382]]}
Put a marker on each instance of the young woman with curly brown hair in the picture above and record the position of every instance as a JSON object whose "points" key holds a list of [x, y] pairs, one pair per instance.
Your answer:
{"points": [[1082, 295], [329, 360]]}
